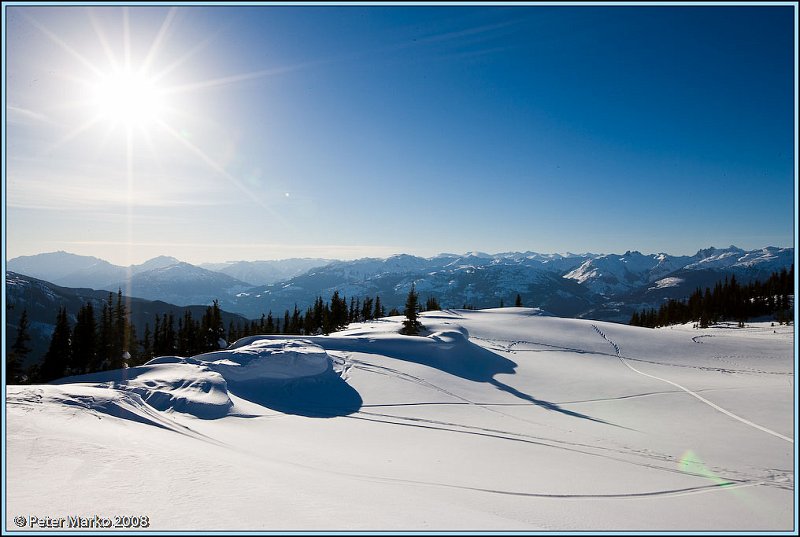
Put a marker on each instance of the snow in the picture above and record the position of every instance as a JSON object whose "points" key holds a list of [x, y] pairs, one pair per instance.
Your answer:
{"points": [[667, 282], [501, 419]]}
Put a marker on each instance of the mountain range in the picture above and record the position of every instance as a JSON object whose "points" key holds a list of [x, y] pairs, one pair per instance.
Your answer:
{"points": [[600, 286]]}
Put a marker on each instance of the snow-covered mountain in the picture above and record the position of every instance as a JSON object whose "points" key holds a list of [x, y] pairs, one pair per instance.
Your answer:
{"points": [[615, 274], [455, 281], [604, 286]]}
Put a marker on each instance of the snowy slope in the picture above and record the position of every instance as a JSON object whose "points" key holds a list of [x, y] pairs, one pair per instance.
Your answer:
{"points": [[499, 419]]}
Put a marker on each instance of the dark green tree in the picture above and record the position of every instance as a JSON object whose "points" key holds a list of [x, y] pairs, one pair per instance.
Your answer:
{"points": [[19, 350], [84, 342], [379, 311], [57, 359], [411, 326], [366, 309], [518, 301], [432, 304], [147, 344]]}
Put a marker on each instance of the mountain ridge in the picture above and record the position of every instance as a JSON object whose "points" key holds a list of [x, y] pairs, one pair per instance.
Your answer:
{"points": [[610, 286]]}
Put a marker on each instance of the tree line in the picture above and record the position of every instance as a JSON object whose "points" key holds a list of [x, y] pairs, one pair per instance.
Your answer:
{"points": [[728, 300], [110, 341]]}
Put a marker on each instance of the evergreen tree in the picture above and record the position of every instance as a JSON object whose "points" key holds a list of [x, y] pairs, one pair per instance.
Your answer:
{"points": [[84, 342], [518, 301], [157, 346], [57, 358], [121, 332], [432, 304], [379, 312], [19, 350], [351, 315], [212, 329], [411, 326], [105, 335], [147, 344], [366, 309], [296, 321], [308, 322]]}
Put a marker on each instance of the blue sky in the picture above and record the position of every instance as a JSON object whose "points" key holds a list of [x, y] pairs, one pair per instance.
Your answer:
{"points": [[349, 131]]}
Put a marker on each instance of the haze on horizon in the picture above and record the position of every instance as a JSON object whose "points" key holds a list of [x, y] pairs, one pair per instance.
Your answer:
{"points": [[249, 132]]}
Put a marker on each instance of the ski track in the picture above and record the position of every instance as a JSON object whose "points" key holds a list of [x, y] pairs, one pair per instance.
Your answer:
{"points": [[690, 392], [586, 449]]}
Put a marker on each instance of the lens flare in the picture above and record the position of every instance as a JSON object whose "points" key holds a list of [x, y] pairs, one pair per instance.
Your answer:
{"points": [[691, 464]]}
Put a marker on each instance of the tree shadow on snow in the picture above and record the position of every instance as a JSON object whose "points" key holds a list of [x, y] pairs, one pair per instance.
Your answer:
{"points": [[453, 353], [321, 396]]}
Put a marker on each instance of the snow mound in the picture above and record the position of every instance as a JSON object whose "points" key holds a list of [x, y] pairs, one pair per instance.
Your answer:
{"points": [[259, 358], [182, 387], [200, 385]]}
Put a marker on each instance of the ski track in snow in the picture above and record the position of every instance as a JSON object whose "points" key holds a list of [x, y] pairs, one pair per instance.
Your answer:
{"points": [[690, 392], [655, 461]]}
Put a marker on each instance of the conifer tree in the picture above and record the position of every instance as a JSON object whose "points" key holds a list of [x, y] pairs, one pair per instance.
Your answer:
{"points": [[411, 326], [19, 350], [379, 312], [518, 301], [105, 335], [147, 344], [432, 304], [57, 358], [366, 309], [84, 341]]}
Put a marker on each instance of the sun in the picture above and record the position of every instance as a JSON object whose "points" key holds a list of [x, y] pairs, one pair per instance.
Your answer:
{"points": [[128, 98]]}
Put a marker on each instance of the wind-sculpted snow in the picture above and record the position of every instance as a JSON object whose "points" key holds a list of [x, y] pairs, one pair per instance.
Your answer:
{"points": [[201, 385]]}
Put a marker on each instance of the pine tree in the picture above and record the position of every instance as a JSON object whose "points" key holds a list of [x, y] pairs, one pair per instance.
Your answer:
{"points": [[518, 301], [121, 330], [366, 309], [105, 335], [379, 312], [432, 304], [19, 350], [84, 342], [57, 358], [212, 330], [147, 344], [411, 326], [338, 312]]}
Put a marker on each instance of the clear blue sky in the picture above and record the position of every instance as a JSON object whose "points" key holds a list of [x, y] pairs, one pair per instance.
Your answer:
{"points": [[262, 132]]}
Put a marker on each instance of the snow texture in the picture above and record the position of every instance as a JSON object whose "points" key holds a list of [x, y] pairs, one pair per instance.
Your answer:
{"points": [[501, 419]]}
